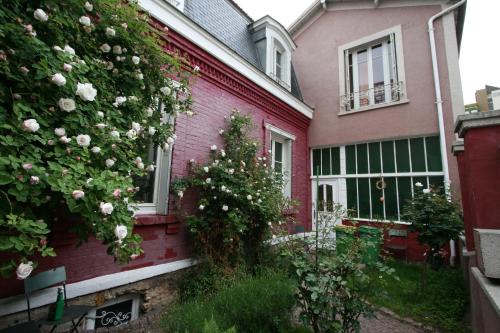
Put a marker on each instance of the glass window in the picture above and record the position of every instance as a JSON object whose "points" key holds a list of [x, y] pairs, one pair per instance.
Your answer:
{"points": [[281, 151], [316, 162], [146, 183], [279, 65], [326, 162]]}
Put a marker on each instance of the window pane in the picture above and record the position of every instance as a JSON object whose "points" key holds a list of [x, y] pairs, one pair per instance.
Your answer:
{"points": [[377, 205], [378, 74], [374, 149], [352, 195], [351, 81], [437, 182], [278, 151], [146, 183], [417, 155], [316, 162], [326, 161], [402, 156], [321, 197], [390, 199], [363, 84], [404, 189], [350, 157], [388, 156], [278, 64], [362, 158], [364, 198], [433, 154], [329, 197], [336, 161], [278, 167]]}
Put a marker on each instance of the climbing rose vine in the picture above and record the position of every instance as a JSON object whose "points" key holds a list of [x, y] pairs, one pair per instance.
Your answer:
{"points": [[80, 88]]}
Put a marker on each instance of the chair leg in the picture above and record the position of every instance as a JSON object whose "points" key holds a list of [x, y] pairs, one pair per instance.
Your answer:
{"points": [[53, 328], [75, 326]]}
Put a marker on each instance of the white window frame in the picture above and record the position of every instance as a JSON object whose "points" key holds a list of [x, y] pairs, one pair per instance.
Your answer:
{"points": [[163, 163], [136, 300], [395, 35], [286, 139], [275, 44]]}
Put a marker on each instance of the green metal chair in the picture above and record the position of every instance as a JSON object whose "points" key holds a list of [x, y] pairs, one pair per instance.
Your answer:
{"points": [[28, 327], [57, 276]]}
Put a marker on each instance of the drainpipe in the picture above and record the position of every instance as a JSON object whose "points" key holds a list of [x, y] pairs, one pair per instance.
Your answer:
{"points": [[323, 3], [439, 104], [375, 2]]}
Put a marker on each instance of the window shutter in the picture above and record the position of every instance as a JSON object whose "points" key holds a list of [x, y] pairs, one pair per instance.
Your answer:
{"points": [[394, 58]]}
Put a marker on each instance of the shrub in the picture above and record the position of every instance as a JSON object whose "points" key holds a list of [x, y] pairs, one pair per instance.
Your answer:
{"points": [[254, 304]]}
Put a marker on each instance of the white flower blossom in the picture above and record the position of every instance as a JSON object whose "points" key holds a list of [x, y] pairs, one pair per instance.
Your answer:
{"points": [[31, 125], [213, 147], [119, 101], [68, 49], [222, 153], [60, 131], [249, 197], [100, 125], [131, 134], [110, 162], [110, 32], [166, 146], [151, 130], [67, 67], [57, 48], [206, 169], [100, 114], [223, 188], [95, 150], [418, 184], [115, 134], [201, 207], [105, 48], [426, 190], [221, 131], [208, 180], [117, 49], [170, 140], [27, 166], [136, 126], [180, 194], [24, 269], [120, 233], [138, 160], [165, 90], [78, 194], [67, 104], [136, 60], [83, 140], [65, 139], [34, 180], [88, 6], [150, 168], [85, 20], [106, 208], [58, 79], [40, 15], [86, 91], [230, 171], [225, 208]]}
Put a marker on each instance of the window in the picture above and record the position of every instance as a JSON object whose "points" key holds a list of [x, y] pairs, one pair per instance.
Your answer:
{"points": [[117, 312], [372, 71], [278, 65], [281, 153], [154, 186]]}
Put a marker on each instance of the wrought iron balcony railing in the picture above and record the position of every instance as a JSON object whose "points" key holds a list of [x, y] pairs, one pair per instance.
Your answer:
{"points": [[380, 94]]}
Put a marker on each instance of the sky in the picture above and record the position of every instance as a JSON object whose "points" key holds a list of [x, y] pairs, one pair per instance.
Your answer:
{"points": [[480, 52]]}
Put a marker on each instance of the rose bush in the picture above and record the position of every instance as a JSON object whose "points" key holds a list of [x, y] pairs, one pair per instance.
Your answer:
{"points": [[80, 85]]}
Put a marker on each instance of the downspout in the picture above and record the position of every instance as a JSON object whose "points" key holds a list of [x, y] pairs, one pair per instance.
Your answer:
{"points": [[439, 104], [375, 2], [323, 3]]}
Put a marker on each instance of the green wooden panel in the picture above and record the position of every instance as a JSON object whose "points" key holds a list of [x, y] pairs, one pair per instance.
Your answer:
{"points": [[433, 154], [417, 155], [352, 196], [374, 149], [335, 161], [422, 180], [362, 154], [390, 199], [388, 156], [350, 159], [437, 182], [404, 190], [364, 198], [316, 161], [326, 162], [377, 205], [402, 156]]}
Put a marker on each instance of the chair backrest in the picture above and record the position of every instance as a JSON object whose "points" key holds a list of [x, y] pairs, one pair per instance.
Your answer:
{"points": [[398, 233], [45, 279]]}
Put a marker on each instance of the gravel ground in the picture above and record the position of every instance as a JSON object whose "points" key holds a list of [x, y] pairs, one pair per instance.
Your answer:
{"points": [[387, 324]]}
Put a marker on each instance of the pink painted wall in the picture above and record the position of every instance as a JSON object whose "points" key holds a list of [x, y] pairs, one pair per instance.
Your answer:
{"points": [[317, 66]]}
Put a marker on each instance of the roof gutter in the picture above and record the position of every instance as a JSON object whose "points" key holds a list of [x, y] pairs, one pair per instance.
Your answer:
{"points": [[439, 104]]}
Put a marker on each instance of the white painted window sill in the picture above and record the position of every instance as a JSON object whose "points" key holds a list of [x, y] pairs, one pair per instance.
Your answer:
{"points": [[373, 107]]}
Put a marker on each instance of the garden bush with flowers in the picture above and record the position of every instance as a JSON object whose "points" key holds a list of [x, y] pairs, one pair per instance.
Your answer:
{"points": [[80, 87], [240, 197]]}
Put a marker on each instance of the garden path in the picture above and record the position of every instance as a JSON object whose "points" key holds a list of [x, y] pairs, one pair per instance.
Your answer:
{"points": [[387, 324]]}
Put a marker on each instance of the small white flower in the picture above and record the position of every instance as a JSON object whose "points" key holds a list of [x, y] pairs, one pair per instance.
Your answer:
{"points": [[141, 165], [249, 197], [88, 6], [100, 125], [117, 49], [222, 153], [65, 139], [136, 126], [189, 113], [151, 130], [170, 140], [138, 160], [120, 232], [150, 168], [119, 101], [213, 147], [110, 32], [31, 125], [58, 79], [83, 140], [223, 188], [95, 150], [418, 184], [230, 171], [208, 180], [136, 60], [221, 131], [165, 90], [67, 67], [201, 207], [60, 131], [115, 134], [78, 194], [149, 112], [206, 169], [34, 180], [426, 190], [27, 166], [131, 134], [67, 104], [85, 20], [24, 269], [196, 69], [105, 48], [274, 236], [100, 114], [110, 162], [166, 146], [180, 194], [86, 91], [192, 161], [68, 49], [40, 15], [57, 48], [225, 208]]}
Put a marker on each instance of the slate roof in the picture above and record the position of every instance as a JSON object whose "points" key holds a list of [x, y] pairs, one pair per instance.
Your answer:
{"points": [[227, 22]]}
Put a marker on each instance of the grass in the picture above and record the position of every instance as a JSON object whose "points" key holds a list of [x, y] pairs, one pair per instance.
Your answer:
{"points": [[442, 303]]}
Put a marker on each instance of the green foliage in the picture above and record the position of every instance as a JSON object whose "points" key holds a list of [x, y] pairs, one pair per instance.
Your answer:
{"points": [[212, 327], [48, 50], [239, 197], [436, 219], [442, 305], [253, 304]]}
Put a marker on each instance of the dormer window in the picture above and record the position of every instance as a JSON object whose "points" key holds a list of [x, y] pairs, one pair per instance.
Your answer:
{"points": [[275, 47]]}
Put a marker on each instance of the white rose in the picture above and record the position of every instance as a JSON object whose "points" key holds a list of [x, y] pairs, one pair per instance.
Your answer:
{"points": [[96, 150], [67, 67], [68, 49], [57, 48], [180, 194], [166, 146], [78, 194], [110, 162], [230, 171], [67, 104], [221, 131], [83, 140], [151, 130], [165, 90], [189, 113], [60, 131], [206, 169], [249, 197], [225, 208], [150, 168], [426, 190], [120, 232], [106, 208], [119, 101], [201, 207], [100, 125], [31, 125], [418, 184], [139, 76], [110, 32], [170, 140], [59, 79], [213, 147], [86, 91], [222, 153], [34, 180], [223, 188], [117, 49], [85, 20], [136, 60], [149, 112], [208, 180], [65, 139], [88, 6], [136, 126], [100, 114], [141, 165], [24, 270], [131, 134], [105, 48], [40, 15]]}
